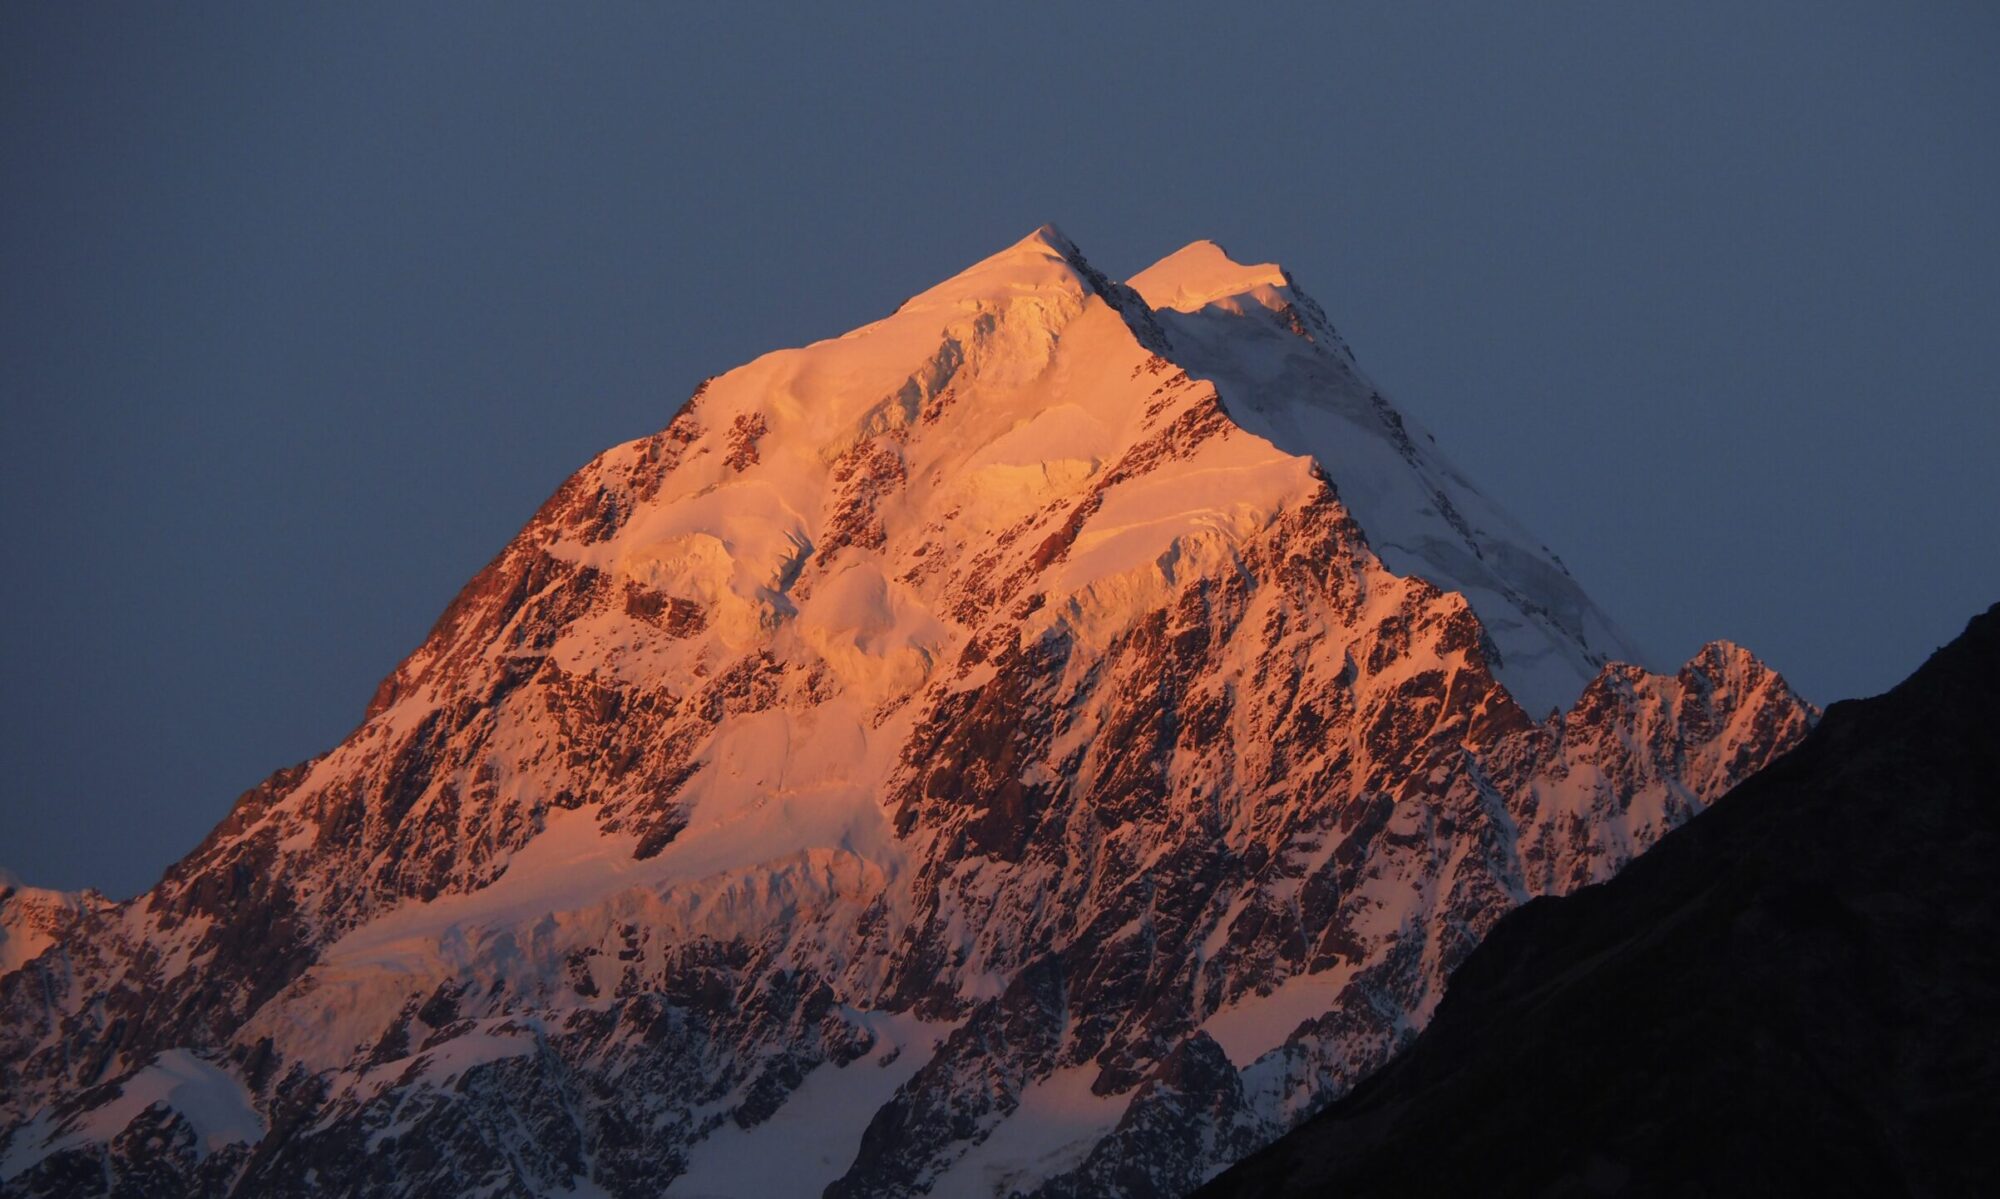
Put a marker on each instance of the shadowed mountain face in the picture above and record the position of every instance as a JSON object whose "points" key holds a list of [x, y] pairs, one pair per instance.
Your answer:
{"points": [[1798, 992]]}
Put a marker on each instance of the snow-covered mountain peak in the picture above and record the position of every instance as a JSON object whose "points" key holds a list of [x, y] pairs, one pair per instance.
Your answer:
{"points": [[1202, 272], [981, 740], [1286, 375], [1045, 261], [32, 918]]}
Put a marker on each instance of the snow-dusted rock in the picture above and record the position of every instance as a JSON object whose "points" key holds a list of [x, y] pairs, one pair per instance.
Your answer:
{"points": [[34, 918]]}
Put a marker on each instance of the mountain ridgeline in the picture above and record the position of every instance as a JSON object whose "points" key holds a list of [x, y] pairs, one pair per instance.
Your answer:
{"points": [[1049, 741]]}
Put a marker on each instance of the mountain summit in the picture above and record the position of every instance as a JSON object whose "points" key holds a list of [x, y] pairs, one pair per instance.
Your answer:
{"points": [[1202, 273], [1049, 740]]}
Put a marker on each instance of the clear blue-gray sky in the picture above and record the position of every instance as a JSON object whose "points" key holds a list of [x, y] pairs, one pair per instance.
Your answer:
{"points": [[302, 313]]}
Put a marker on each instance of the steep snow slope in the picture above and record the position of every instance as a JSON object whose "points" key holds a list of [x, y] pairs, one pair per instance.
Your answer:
{"points": [[1005, 715], [1289, 378]]}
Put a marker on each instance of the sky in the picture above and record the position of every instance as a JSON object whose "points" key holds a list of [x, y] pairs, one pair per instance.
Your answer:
{"points": [[304, 312]]}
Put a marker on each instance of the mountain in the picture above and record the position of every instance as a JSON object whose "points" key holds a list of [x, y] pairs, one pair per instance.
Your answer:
{"points": [[1051, 739], [34, 918], [1796, 993]]}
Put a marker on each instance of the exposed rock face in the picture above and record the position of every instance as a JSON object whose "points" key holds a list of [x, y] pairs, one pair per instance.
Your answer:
{"points": [[1051, 739], [1798, 993]]}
